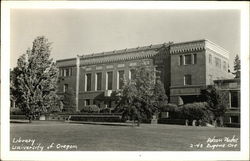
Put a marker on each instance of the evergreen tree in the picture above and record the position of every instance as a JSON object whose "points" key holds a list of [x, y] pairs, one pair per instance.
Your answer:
{"points": [[33, 81], [237, 66], [142, 95]]}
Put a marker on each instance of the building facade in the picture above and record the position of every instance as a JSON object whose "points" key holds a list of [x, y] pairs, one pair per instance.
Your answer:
{"points": [[184, 69], [230, 88]]}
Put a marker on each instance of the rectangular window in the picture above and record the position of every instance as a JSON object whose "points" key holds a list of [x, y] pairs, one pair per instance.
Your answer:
{"points": [[218, 62], [187, 80], [88, 82], [66, 72], [120, 79], [98, 81], [195, 58], [234, 119], [187, 59], [210, 59], [87, 102], [110, 80], [181, 60], [235, 99], [65, 87]]}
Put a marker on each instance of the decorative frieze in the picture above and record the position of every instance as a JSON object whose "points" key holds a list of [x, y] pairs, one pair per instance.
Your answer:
{"points": [[120, 65], [88, 69], [109, 66], [187, 47], [133, 64], [99, 68]]}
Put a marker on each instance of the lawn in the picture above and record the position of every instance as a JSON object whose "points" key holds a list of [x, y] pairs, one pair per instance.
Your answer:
{"points": [[86, 137]]}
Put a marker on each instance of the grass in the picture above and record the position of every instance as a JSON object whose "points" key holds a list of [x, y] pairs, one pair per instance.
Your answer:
{"points": [[121, 138]]}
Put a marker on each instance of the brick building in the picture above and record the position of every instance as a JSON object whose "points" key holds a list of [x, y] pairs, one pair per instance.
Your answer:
{"points": [[230, 88], [184, 68]]}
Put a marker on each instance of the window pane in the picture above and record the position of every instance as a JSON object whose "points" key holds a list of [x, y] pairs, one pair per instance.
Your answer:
{"points": [[99, 81], [234, 99], [110, 80], [234, 119], [187, 80], [181, 60], [187, 59], [121, 78], [195, 58], [88, 82], [65, 87]]}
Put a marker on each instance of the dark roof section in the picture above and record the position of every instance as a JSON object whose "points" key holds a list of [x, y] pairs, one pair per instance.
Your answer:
{"points": [[125, 51], [227, 80]]}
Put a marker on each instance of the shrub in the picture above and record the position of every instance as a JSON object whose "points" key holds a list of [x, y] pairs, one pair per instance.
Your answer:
{"points": [[105, 110], [16, 111], [97, 118], [174, 111], [90, 109], [196, 111]]}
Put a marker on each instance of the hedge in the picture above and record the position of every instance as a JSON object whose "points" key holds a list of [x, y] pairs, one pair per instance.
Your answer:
{"points": [[90, 109], [97, 118], [171, 121], [18, 117]]}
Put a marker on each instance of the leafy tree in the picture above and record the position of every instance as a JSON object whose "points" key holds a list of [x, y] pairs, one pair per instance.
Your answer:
{"points": [[33, 81], [69, 101], [217, 102], [160, 96], [237, 66], [140, 97]]}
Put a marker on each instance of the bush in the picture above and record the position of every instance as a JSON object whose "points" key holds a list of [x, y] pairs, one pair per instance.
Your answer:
{"points": [[171, 121], [18, 117], [90, 109], [97, 118], [16, 111], [105, 110], [196, 111], [175, 112]]}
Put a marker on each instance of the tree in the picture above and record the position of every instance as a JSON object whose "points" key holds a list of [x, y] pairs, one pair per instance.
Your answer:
{"points": [[140, 97], [237, 66], [160, 96], [69, 101], [217, 102], [33, 81]]}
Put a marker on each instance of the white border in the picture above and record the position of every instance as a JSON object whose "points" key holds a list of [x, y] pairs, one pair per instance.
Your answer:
{"points": [[5, 64]]}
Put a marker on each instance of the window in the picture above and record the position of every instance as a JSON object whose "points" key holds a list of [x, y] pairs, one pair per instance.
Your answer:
{"points": [[218, 62], [181, 60], [66, 72], [98, 81], [120, 79], [88, 82], [187, 80], [87, 102], [235, 97], [65, 88], [187, 59], [110, 80], [210, 59], [132, 74], [234, 119], [195, 58]]}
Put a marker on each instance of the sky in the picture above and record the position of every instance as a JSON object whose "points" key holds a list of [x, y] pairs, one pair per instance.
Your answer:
{"points": [[85, 31]]}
